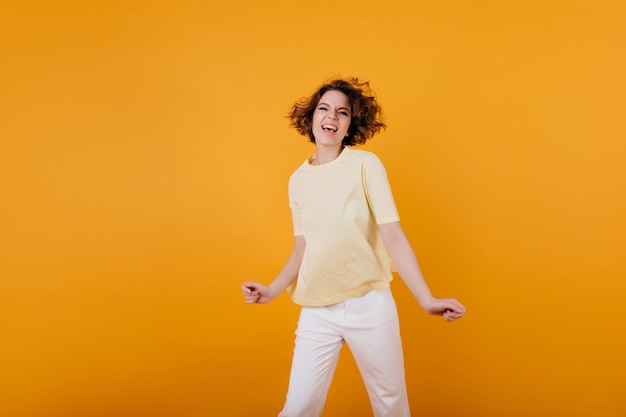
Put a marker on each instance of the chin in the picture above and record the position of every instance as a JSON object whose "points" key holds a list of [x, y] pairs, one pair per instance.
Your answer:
{"points": [[326, 141]]}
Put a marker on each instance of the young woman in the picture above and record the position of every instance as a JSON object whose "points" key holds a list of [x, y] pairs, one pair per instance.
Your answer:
{"points": [[347, 239]]}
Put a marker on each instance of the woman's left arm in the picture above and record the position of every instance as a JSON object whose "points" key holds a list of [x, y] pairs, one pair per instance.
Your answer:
{"points": [[406, 263]]}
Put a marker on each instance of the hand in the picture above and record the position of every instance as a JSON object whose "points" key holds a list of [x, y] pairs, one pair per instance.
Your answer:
{"points": [[254, 292], [449, 308]]}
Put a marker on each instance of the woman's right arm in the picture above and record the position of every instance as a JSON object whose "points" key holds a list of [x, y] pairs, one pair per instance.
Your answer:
{"points": [[255, 292]]}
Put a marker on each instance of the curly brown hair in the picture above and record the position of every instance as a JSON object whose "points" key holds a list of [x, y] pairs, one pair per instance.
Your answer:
{"points": [[365, 111]]}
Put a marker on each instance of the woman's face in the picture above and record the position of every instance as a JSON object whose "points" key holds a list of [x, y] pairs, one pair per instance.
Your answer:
{"points": [[331, 119]]}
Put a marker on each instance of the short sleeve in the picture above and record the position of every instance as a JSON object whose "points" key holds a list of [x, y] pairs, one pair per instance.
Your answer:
{"points": [[378, 191]]}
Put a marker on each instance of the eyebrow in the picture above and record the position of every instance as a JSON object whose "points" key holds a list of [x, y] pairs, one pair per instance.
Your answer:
{"points": [[326, 104]]}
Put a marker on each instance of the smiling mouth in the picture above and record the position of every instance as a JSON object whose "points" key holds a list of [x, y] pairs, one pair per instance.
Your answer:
{"points": [[329, 128]]}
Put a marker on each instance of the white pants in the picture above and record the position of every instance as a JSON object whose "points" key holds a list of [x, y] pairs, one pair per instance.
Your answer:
{"points": [[369, 325]]}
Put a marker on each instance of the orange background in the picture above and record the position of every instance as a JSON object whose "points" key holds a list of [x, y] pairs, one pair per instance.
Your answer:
{"points": [[144, 165]]}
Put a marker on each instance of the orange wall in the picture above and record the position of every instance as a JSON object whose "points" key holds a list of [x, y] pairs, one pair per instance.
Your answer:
{"points": [[143, 173]]}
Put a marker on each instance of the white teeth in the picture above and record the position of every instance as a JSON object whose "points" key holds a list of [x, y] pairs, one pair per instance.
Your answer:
{"points": [[334, 129]]}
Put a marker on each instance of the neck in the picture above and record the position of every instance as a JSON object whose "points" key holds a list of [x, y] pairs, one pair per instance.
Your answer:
{"points": [[325, 155]]}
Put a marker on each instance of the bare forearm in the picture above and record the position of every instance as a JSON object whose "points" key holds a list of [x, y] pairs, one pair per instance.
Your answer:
{"points": [[285, 277], [289, 272], [406, 262]]}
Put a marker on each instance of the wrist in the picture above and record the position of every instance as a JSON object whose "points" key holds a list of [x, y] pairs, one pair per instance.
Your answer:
{"points": [[271, 292], [425, 301]]}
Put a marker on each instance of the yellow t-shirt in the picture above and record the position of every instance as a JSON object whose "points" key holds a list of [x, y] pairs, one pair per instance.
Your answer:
{"points": [[336, 207]]}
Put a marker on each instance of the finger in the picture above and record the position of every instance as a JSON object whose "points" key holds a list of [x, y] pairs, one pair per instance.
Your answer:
{"points": [[248, 287], [248, 293], [450, 316], [251, 299], [455, 306], [460, 309], [251, 285]]}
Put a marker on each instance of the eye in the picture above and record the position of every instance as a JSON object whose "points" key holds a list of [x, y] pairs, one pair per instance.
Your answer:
{"points": [[322, 108], [344, 112]]}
